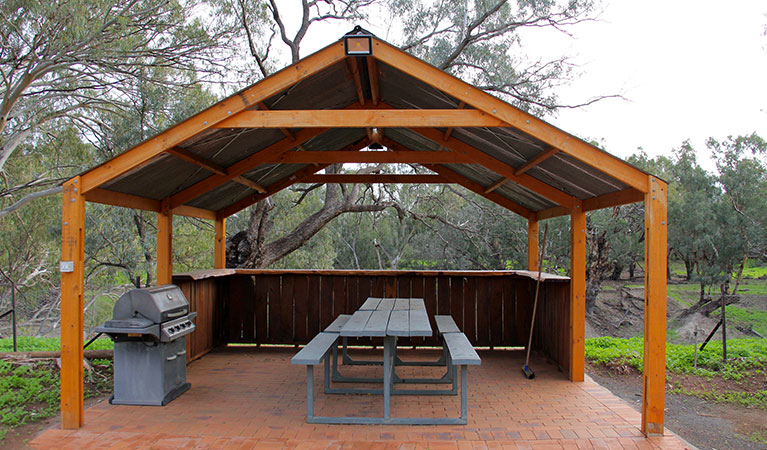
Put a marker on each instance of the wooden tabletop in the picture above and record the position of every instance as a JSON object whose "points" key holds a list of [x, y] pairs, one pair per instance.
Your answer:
{"points": [[377, 317]]}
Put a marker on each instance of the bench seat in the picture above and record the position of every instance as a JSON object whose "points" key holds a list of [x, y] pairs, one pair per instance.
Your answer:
{"points": [[315, 350], [446, 324], [461, 351], [337, 324]]}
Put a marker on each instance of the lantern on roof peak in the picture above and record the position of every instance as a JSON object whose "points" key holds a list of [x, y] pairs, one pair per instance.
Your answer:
{"points": [[358, 42]]}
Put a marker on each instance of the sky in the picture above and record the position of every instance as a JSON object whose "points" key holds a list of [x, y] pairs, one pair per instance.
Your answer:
{"points": [[686, 70]]}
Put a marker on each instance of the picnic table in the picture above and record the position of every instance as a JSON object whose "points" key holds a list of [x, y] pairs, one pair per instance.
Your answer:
{"points": [[390, 319]]}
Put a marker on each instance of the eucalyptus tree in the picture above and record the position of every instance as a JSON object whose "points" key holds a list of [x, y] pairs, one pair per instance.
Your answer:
{"points": [[64, 63]]}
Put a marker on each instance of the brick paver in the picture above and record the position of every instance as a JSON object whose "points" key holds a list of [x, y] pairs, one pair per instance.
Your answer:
{"points": [[243, 398]]}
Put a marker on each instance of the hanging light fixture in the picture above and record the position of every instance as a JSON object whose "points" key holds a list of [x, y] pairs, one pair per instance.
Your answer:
{"points": [[358, 42]]}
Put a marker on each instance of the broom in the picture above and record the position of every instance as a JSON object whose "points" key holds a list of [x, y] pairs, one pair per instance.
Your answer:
{"points": [[527, 370]]}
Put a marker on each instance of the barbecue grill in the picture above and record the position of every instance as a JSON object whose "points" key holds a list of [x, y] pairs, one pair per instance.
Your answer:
{"points": [[147, 328]]}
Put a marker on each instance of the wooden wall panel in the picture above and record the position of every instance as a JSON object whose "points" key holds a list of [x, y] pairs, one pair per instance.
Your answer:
{"points": [[282, 307]]}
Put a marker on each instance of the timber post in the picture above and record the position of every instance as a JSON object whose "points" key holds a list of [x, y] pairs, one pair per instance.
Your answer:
{"points": [[532, 244], [164, 244], [72, 290], [654, 373], [577, 291], [219, 257]]}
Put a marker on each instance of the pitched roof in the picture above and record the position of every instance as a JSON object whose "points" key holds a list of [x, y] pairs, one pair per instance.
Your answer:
{"points": [[279, 131]]}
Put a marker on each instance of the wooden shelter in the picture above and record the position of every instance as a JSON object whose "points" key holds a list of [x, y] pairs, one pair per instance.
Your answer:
{"points": [[325, 109]]}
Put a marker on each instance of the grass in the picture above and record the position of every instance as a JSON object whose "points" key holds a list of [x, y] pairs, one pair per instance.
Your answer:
{"points": [[747, 399], [760, 437], [31, 391], [35, 344], [756, 320], [746, 357], [27, 392], [744, 354]]}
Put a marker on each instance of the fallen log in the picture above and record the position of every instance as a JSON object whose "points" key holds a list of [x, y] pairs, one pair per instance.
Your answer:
{"points": [[89, 354]]}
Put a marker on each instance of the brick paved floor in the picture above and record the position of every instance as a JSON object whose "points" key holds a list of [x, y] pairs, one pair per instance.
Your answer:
{"points": [[244, 398]]}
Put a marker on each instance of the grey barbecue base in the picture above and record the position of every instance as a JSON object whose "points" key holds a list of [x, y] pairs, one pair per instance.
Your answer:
{"points": [[389, 349], [169, 397]]}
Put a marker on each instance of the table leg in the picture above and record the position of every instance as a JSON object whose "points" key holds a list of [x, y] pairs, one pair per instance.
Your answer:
{"points": [[389, 343]]}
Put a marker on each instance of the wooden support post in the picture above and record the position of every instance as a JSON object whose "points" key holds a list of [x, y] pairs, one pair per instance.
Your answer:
{"points": [[532, 244], [654, 373], [219, 259], [577, 291], [72, 279], [164, 244]]}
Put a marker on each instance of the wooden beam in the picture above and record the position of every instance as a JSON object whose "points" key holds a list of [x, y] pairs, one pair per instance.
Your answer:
{"points": [[656, 252], [532, 244], [457, 178], [449, 130], [283, 184], [115, 198], [285, 131], [577, 292], [361, 118], [375, 178], [551, 193], [515, 117], [380, 157], [539, 158], [242, 166], [375, 94], [72, 290], [164, 244], [216, 168], [208, 118], [353, 68], [191, 211], [219, 255], [496, 185], [196, 159], [618, 198]]}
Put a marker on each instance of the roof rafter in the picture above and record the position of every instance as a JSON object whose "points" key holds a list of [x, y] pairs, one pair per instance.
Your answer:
{"points": [[206, 119], [282, 184], [375, 93], [455, 177], [354, 70], [619, 198], [242, 166], [501, 168], [517, 118], [205, 163], [537, 159], [477, 188]]}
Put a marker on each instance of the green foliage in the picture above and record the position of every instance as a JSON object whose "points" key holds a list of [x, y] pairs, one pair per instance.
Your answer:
{"points": [[744, 354], [35, 344], [26, 393], [30, 392], [753, 319], [759, 437], [747, 399]]}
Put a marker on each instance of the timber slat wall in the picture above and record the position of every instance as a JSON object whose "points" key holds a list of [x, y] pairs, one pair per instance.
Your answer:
{"points": [[291, 307]]}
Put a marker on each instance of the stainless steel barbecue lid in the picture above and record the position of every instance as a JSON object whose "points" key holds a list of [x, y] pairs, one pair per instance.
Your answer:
{"points": [[158, 304]]}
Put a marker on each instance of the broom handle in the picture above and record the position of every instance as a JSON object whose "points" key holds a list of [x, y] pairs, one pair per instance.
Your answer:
{"points": [[537, 286]]}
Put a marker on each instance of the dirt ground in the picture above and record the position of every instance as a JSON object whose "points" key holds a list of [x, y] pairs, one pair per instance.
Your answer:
{"points": [[706, 425]]}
